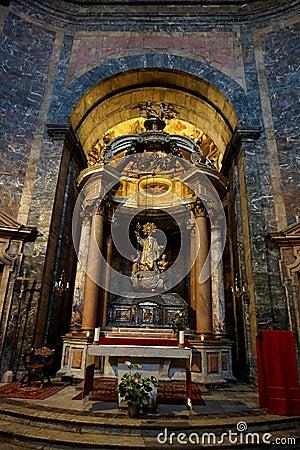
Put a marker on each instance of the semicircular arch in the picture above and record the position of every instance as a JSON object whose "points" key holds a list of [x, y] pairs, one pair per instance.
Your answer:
{"points": [[68, 100]]}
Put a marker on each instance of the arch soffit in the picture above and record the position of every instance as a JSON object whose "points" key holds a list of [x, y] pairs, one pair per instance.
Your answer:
{"points": [[110, 102], [108, 113]]}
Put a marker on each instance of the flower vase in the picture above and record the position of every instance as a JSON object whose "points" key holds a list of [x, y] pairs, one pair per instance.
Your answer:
{"points": [[133, 411], [151, 406]]}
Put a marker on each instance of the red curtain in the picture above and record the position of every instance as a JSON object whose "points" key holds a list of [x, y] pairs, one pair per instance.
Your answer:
{"points": [[278, 382]]}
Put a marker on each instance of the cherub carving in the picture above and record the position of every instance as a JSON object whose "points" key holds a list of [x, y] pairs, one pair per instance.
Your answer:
{"points": [[165, 111]]}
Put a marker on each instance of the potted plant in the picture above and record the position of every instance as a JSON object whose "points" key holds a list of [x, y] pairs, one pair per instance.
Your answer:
{"points": [[135, 389]]}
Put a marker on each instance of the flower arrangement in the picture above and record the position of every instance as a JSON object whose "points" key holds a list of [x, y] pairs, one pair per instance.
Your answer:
{"points": [[134, 388]]}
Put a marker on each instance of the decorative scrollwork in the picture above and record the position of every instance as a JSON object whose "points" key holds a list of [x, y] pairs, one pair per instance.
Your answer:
{"points": [[107, 155], [198, 157]]}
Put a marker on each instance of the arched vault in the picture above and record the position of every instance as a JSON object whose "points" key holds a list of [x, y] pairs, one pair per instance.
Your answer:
{"points": [[111, 102]]}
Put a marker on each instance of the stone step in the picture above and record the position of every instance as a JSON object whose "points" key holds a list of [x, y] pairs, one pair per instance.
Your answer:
{"points": [[40, 437], [23, 423], [256, 420], [27, 436]]}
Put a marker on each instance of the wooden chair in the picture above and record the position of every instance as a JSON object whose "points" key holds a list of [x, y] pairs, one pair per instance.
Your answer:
{"points": [[37, 363]]}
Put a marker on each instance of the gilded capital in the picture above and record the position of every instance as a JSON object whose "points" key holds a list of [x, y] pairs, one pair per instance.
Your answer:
{"points": [[198, 208]]}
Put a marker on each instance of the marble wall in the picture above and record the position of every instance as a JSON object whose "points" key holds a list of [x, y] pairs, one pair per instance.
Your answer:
{"points": [[281, 50], [25, 50]]}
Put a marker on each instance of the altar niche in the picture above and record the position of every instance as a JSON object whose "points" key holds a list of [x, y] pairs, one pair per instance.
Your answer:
{"points": [[157, 182], [152, 299]]}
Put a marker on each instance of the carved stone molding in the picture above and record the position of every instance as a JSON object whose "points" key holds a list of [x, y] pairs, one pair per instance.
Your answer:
{"points": [[11, 229], [240, 135], [288, 243], [288, 237], [5, 258], [67, 11], [66, 134]]}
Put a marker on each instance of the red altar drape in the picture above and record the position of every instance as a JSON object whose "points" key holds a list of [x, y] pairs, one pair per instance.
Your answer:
{"points": [[141, 341]]}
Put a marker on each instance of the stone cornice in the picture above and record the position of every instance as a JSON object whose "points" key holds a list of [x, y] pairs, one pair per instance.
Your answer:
{"points": [[83, 14], [11, 229], [59, 132], [240, 135], [290, 236]]}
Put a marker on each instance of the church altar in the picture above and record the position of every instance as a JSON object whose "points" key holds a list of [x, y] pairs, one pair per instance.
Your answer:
{"points": [[150, 356]]}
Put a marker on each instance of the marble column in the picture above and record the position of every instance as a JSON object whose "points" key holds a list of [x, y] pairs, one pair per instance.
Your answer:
{"points": [[109, 247], [78, 298], [217, 281], [92, 281], [203, 291]]}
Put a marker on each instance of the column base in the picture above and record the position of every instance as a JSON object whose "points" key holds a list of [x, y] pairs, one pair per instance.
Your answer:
{"points": [[212, 359], [74, 355]]}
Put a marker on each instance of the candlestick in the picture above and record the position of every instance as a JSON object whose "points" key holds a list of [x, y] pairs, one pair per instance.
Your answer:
{"points": [[96, 335], [181, 338]]}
